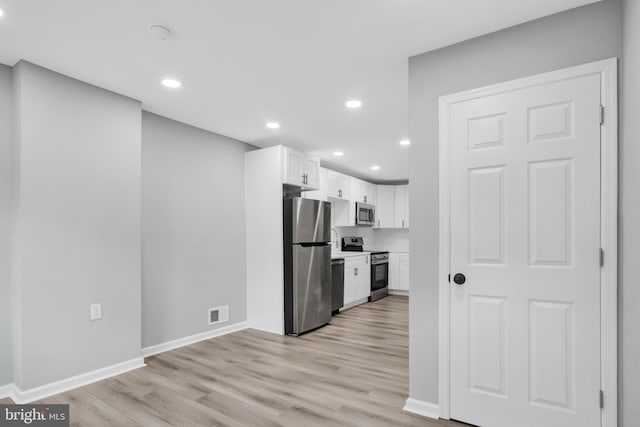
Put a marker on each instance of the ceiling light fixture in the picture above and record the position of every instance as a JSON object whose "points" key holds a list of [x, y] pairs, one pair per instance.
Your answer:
{"points": [[353, 104], [375, 168], [338, 153], [171, 83], [273, 125], [405, 142], [160, 32], [1, 13]]}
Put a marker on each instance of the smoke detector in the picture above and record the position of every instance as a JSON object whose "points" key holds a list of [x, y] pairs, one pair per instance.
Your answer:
{"points": [[160, 32]]}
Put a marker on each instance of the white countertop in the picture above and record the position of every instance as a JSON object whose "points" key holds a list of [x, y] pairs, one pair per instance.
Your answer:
{"points": [[340, 254]]}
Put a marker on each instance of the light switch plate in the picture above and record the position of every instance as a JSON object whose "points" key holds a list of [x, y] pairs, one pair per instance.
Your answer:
{"points": [[96, 311]]}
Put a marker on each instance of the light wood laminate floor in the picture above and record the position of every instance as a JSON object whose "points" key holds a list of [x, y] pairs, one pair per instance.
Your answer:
{"points": [[353, 372]]}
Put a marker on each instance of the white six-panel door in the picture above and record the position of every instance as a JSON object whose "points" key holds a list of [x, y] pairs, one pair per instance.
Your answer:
{"points": [[525, 233]]}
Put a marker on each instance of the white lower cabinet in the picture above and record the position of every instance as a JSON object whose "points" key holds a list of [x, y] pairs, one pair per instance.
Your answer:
{"points": [[399, 271], [357, 279]]}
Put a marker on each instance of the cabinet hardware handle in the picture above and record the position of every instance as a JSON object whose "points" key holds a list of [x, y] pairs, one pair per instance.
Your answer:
{"points": [[355, 271], [403, 222], [365, 199], [378, 223]]}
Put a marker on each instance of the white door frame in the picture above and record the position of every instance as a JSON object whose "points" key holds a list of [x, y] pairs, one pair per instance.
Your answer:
{"points": [[607, 69]]}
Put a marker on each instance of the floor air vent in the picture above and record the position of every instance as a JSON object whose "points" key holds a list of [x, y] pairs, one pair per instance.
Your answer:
{"points": [[218, 315]]}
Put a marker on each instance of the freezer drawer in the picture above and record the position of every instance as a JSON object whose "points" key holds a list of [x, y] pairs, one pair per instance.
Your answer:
{"points": [[309, 220]]}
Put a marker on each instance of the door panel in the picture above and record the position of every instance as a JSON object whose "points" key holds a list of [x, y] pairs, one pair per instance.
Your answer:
{"points": [[487, 345], [525, 231], [550, 212], [551, 377], [486, 216]]}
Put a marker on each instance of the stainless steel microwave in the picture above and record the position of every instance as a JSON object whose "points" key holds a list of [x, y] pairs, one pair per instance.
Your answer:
{"points": [[365, 214]]}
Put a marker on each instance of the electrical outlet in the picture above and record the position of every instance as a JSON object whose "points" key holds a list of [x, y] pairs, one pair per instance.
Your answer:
{"points": [[96, 311]]}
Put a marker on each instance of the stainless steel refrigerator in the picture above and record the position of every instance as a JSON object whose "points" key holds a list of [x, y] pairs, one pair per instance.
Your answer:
{"points": [[307, 264]]}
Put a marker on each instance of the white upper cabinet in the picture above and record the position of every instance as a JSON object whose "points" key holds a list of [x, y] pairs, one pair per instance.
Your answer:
{"points": [[370, 193], [301, 169], [311, 172], [363, 191], [386, 206], [356, 189], [339, 186], [321, 192], [392, 206], [402, 206]]}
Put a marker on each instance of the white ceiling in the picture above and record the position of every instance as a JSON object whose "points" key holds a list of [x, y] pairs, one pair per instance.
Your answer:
{"points": [[245, 62]]}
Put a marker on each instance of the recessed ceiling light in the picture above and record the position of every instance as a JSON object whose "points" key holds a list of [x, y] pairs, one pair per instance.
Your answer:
{"points": [[1, 13], [273, 125], [353, 103], [405, 142], [375, 168], [338, 153], [172, 83]]}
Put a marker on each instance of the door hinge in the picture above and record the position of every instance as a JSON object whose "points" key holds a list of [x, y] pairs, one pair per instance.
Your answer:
{"points": [[601, 114], [601, 257], [601, 399]]}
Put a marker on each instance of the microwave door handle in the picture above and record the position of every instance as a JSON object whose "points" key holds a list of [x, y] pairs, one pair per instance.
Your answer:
{"points": [[371, 216]]}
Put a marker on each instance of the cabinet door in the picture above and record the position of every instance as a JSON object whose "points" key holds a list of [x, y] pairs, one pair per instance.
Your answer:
{"points": [[321, 192], [353, 277], [357, 189], [309, 168], [394, 271], [345, 186], [350, 285], [339, 186], [366, 277], [293, 167], [406, 206], [401, 206], [403, 272], [370, 193], [386, 206]]}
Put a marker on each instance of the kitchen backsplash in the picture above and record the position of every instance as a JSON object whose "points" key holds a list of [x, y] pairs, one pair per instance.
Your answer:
{"points": [[383, 239]]}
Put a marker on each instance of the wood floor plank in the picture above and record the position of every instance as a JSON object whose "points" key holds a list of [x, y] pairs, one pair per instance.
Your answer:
{"points": [[353, 372]]}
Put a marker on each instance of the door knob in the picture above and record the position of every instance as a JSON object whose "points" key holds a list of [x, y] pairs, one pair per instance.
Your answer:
{"points": [[459, 279]]}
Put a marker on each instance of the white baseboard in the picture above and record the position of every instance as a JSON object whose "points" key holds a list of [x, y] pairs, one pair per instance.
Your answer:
{"points": [[192, 339], [25, 396], [355, 303], [420, 407], [398, 292], [5, 390]]}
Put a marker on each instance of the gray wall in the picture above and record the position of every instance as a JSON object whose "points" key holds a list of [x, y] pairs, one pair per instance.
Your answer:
{"points": [[77, 234], [570, 38], [629, 296], [193, 229], [6, 127]]}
